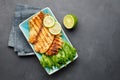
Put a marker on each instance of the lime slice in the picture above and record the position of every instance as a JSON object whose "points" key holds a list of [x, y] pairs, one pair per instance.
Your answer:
{"points": [[70, 21], [56, 29], [48, 21]]}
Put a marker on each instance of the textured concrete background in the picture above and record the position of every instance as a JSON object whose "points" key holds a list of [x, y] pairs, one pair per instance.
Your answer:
{"points": [[96, 37]]}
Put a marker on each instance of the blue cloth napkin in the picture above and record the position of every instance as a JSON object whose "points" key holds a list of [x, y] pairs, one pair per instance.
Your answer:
{"points": [[16, 38]]}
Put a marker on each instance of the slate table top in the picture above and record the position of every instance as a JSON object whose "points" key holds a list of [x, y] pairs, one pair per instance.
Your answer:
{"points": [[96, 38]]}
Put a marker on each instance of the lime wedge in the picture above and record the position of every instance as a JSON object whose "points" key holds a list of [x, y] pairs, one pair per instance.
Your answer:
{"points": [[48, 21], [56, 29], [70, 21]]}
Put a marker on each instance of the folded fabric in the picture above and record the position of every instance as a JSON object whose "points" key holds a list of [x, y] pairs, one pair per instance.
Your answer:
{"points": [[16, 38]]}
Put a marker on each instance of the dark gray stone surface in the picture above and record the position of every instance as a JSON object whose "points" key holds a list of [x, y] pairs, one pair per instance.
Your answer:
{"points": [[96, 37]]}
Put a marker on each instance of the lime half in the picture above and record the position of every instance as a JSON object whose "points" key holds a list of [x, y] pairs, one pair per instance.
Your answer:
{"points": [[56, 29], [48, 21], [70, 21]]}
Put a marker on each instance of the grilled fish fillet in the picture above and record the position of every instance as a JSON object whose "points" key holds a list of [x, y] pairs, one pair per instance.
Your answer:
{"points": [[56, 45], [35, 25], [44, 40], [41, 38]]}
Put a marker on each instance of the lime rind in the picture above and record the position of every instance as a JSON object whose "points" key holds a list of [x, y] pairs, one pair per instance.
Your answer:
{"points": [[75, 19]]}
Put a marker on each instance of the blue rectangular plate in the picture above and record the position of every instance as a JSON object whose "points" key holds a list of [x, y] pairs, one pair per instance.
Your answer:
{"points": [[24, 27]]}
